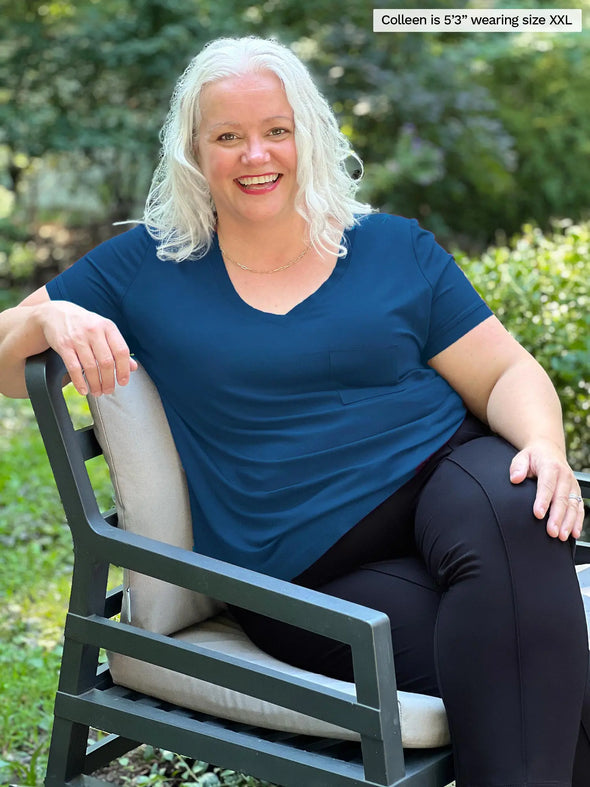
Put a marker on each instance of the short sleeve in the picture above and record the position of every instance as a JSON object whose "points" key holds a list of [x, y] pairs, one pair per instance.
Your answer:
{"points": [[456, 307], [99, 280]]}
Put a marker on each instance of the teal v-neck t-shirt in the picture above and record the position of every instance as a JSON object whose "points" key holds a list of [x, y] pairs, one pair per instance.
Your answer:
{"points": [[290, 428]]}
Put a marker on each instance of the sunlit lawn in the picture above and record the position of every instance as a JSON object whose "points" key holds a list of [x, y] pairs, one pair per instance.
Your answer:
{"points": [[34, 586]]}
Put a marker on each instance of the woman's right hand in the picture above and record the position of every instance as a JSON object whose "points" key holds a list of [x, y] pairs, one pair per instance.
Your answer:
{"points": [[93, 350]]}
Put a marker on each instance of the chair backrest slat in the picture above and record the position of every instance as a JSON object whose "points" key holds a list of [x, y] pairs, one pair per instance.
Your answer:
{"points": [[89, 445]]}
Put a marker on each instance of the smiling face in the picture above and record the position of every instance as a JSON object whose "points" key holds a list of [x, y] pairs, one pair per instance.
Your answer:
{"points": [[246, 148]]}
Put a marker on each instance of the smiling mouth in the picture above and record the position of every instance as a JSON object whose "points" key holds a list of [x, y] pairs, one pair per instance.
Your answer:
{"points": [[258, 180]]}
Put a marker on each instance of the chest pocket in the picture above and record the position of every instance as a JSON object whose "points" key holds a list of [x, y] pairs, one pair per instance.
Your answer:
{"points": [[364, 372]]}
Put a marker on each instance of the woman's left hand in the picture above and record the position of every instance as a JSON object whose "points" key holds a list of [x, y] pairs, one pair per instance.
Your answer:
{"points": [[556, 487], [501, 383]]}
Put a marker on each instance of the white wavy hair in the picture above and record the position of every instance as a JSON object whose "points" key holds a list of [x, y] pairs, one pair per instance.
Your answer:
{"points": [[179, 211]]}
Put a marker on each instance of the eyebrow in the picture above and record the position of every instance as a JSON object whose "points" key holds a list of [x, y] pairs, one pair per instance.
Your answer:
{"points": [[233, 123]]}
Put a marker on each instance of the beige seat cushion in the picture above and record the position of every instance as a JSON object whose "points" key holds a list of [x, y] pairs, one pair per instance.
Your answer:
{"points": [[423, 719]]}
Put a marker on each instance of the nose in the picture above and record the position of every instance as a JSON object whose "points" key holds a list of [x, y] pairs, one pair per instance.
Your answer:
{"points": [[255, 152]]}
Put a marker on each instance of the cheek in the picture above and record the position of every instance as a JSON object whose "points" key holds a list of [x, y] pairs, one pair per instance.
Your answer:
{"points": [[216, 166], [291, 155]]}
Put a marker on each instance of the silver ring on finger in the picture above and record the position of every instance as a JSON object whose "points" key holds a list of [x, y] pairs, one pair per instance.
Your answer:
{"points": [[573, 496]]}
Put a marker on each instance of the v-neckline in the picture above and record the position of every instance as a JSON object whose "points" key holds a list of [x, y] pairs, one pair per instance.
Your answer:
{"points": [[227, 286]]}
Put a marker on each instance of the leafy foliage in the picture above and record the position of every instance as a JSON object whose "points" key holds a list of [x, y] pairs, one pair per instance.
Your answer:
{"points": [[95, 78], [161, 767], [539, 87], [538, 287], [468, 132]]}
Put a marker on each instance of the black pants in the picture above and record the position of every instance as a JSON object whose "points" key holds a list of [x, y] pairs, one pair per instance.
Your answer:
{"points": [[485, 611]]}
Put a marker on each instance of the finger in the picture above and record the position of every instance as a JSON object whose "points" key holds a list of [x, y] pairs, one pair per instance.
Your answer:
{"points": [[578, 517], [112, 359], [74, 369], [91, 372], [89, 351], [569, 519], [579, 526], [80, 360], [546, 485], [562, 514], [573, 519], [519, 467], [123, 363], [105, 365]]}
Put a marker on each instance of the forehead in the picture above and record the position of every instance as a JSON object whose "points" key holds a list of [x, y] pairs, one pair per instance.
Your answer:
{"points": [[233, 97]]}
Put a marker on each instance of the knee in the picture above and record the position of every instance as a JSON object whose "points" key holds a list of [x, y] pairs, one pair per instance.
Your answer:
{"points": [[474, 481], [470, 515]]}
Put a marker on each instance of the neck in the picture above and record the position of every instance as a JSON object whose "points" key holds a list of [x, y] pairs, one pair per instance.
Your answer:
{"points": [[265, 241]]}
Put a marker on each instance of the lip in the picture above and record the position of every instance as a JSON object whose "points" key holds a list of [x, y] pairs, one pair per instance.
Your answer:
{"points": [[263, 188]]}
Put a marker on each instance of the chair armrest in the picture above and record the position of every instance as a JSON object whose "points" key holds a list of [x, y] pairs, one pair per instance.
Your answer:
{"points": [[227, 582]]}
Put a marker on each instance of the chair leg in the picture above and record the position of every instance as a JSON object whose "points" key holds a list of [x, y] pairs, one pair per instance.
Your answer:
{"points": [[67, 752], [69, 740]]}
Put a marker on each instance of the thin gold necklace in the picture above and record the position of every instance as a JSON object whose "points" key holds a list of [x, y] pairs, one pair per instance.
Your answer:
{"points": [[273, 270]]}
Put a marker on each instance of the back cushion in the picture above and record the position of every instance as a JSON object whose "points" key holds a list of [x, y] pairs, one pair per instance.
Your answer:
{"points": [[151, 498]]}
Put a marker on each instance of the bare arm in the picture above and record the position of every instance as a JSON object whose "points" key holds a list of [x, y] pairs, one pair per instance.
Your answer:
{"points": [[93, 350], [502, 384]]}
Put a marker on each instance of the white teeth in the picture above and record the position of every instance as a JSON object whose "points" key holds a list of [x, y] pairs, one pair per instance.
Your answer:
{"points": [[258, 180]]}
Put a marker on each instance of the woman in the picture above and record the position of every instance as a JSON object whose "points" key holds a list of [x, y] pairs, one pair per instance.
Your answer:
{"points": [[349, 413]]}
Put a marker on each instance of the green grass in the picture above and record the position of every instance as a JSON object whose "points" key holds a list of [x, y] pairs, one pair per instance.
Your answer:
{"points": [[34, 588], [34, 585]]}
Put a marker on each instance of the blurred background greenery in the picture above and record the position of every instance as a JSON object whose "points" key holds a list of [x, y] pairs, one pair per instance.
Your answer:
{"points": [[484, 137]]}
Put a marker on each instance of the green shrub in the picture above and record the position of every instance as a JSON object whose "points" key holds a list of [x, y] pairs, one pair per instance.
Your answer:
{"points": [[538, 287], [539, 85]]}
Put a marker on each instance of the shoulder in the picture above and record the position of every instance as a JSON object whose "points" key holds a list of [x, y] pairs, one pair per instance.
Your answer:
{"points": [[123, 254], [401, 240], [390, 231], [387, 223], [111, 265], [389, 234], [404, 230], [136, 239]]}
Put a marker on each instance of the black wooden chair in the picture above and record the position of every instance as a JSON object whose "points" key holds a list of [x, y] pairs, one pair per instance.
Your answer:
{"points": [[180, 674]]}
